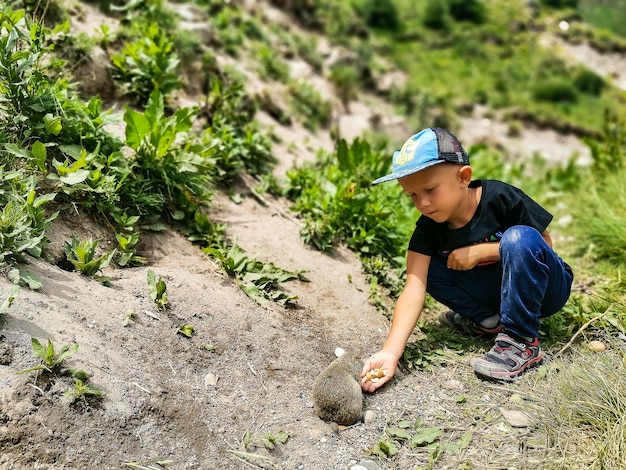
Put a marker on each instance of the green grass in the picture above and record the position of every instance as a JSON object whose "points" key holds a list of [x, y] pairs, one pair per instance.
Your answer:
{"points": [[605, 14]]}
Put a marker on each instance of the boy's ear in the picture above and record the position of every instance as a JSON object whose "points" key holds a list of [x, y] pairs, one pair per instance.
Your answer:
{"points": [[465, 174]]}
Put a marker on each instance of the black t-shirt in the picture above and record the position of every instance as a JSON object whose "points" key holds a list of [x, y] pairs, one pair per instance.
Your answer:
{"points": [[501, 206]]}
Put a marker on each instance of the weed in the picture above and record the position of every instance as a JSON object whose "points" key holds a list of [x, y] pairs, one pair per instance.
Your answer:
{"points": [[127, 253], [130, 316], [9, 300], [272, 65], [157, 289], [185, 330], [258, 280], [82, 255], [147, 64], [150, 465], [270, 440], [23, 220], [82, 391], [307, 102], [338, 205], [51, 361]]}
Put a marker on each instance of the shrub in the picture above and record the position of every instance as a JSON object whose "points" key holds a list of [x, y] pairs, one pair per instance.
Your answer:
{"points": [[555, 91], [473, 11], [560, 3], [307, 102], [381, 14], [587, 81], [435, 15]]}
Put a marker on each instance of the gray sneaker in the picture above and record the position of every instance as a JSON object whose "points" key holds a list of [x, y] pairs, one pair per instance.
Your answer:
{"points": [[460, 324], [508, 359]]}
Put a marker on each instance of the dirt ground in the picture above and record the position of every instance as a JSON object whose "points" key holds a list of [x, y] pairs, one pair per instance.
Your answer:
{"points": [[162, 403], [245, 375]]}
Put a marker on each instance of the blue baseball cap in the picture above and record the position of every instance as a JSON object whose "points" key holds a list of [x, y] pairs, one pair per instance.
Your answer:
{"points": [[423, 150]]}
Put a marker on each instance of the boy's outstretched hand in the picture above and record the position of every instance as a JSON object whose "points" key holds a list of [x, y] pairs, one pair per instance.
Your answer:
{"points": [[379, 361]]}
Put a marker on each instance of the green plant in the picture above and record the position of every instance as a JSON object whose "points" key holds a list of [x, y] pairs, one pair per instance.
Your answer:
{"points": [[585, 409], [147, 64], [157, 289], [51, 361], [555, 91], [82, 391], [272, 65], [256, 279], [9, 300], [335, 199], [474, 11], [307, 102], [344, 77], [270, 440], [82, 255], [127, 253], [185, 330], [435, 15], [587, 81], [23, 219], [165, 178], [382, 14]]}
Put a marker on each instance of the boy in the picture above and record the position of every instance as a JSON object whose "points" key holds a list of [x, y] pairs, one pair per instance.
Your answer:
{"points": [[479, 247]]}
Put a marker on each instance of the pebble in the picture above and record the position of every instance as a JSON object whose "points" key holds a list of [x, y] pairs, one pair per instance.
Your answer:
{"points": [[453, 385], [516, 419], [596, 346], [210, 380], [369, 416]]}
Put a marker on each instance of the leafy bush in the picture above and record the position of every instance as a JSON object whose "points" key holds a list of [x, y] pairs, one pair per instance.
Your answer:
{"points": [[344, 79], [587, 81], [167, 179], [435, 15], [381, 14], [474, 11], [308, 102], [555, 91], [560, 3], [147, 64], [338, 204], [272, 64], [23, 220]]}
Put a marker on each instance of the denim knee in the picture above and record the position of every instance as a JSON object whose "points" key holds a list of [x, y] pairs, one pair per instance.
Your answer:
{"points": [[518, 239]]}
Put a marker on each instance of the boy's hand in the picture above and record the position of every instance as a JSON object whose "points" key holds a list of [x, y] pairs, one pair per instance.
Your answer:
{"points": [[467, 257], [380, 360]]}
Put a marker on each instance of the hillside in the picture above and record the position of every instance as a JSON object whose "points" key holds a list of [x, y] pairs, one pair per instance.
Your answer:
{"points": [[236, 393]]}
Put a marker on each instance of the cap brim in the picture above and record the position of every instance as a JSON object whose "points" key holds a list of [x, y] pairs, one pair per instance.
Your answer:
{"points": [[406, 172]]}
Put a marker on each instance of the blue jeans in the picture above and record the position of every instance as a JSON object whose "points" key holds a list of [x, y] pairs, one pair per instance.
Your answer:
{"points": [[529, 283]]}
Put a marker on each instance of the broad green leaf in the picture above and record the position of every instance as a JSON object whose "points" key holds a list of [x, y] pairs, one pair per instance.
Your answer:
{"points": [[78, 176], [397, 433], [66, 351], [52, 124], [39, 155], [426, 436], [38, 348], [137, 127]]}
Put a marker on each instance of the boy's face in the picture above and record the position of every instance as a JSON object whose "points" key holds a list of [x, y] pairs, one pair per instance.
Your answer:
{"points": [[439, 192]]}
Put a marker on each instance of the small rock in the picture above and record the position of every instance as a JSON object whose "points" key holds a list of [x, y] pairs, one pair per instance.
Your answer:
{"points": [[369, 416], [339, 352], [453, 385], [596, 346], [516, 419], [210, 380]]}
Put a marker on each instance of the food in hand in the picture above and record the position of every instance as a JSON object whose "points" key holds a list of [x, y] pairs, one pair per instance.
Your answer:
{"points": [[375, 375]]}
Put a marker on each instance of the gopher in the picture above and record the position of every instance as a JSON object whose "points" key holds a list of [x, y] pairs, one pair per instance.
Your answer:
{"points": [[337, 395]]}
